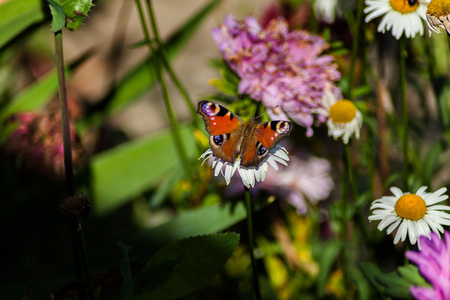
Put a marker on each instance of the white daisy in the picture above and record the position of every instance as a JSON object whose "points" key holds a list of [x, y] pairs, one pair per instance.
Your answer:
{"points": [[249, 175], [413, 214], [438, 16], [400, 15], [343, 119], [325, 10]]}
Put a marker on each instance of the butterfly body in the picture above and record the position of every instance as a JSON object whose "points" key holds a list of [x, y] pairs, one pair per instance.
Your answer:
{"points": [[232, 138]]}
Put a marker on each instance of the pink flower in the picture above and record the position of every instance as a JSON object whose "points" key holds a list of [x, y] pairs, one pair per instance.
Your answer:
{"points": [[434, 264], [278, 66], [305, 181], [38, 141]]}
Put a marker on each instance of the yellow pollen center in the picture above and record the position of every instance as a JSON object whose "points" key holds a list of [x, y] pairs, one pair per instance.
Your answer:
{"points": [[438, 8], [404, 6], [343, 111], [411, 207]]}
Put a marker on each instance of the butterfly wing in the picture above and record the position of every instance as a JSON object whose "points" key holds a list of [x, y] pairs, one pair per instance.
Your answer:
{"points": [[265, 137], [224, 128]]}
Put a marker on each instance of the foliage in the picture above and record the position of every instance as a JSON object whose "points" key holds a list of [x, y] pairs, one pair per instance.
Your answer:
{"points": [[158, 223]]}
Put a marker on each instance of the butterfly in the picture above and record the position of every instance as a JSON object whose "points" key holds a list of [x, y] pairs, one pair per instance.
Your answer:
{"points": [[232, 138]]}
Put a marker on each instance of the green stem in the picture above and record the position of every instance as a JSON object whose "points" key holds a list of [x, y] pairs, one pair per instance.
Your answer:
{"points": [[404, 110], [163, 56], [448, 42], [79, 251], [355, 194], [355, 46], [344, 201], [64, 113], [407, 247], [158, 72], [248, 205]]}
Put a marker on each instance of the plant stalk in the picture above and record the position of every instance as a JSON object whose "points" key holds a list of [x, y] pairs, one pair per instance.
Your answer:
{"points": [[167, 66], [346, 182], [158, 72], [404, 111], [359, 19], [79, 251], [249, 207], [64, 113]]}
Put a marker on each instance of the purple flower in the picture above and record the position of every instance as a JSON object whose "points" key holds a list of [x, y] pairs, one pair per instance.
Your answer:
{"points": [[38, 141], [434, 264], [278, 66], [305, 181]]}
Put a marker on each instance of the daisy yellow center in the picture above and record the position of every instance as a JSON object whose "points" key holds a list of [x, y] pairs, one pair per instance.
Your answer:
{"points": [[404, 6], [411, 207], [343, 111], [438, 8]]}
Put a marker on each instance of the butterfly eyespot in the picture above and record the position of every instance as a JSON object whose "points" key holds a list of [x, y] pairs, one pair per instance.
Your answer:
{"points": [[210, 109], [218, 140], [262, 150], [412, 2]]}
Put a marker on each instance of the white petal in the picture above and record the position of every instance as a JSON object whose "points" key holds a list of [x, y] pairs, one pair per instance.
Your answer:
{"points": [[386, 222], [420, 191], [401, 230], [393, 226], [258, 174], [281, 154], [244, 178], [273, 164], [228, 173], [396, 191], [276, 158], [218, 167]]}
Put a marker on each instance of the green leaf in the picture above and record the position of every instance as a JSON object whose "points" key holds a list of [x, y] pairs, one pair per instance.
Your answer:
{"points": [[372, 271], [184, 266], [76, 11], [142, 77], [362, 286], [134, 167], [127, 291], [329, 255], [394, 284], [164, 188], [411, 274], [58, 16], [32, 97], [18, 15], [146, 242], [204, 220], [224, 86], [429, 163]]}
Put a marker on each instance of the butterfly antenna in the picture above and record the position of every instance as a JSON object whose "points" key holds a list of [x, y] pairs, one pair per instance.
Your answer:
{"points": [[264, 113]]}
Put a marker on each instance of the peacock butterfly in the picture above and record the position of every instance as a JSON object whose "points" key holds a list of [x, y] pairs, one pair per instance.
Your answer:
{"points": [[231, 138]]}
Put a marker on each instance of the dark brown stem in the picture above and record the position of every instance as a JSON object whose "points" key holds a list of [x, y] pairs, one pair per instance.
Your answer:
{"points": [[79, 252]]}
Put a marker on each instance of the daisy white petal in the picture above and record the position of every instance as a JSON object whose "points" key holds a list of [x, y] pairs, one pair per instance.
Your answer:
{"points": [[393, 226], [228, 173], [218, 168], [281, 154], [343, 118], [413, 215], [249, 175], [386, 222], [437, 15], [244, 178], [216, 159], [400, 16], [420, 191], [439, 207]]}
